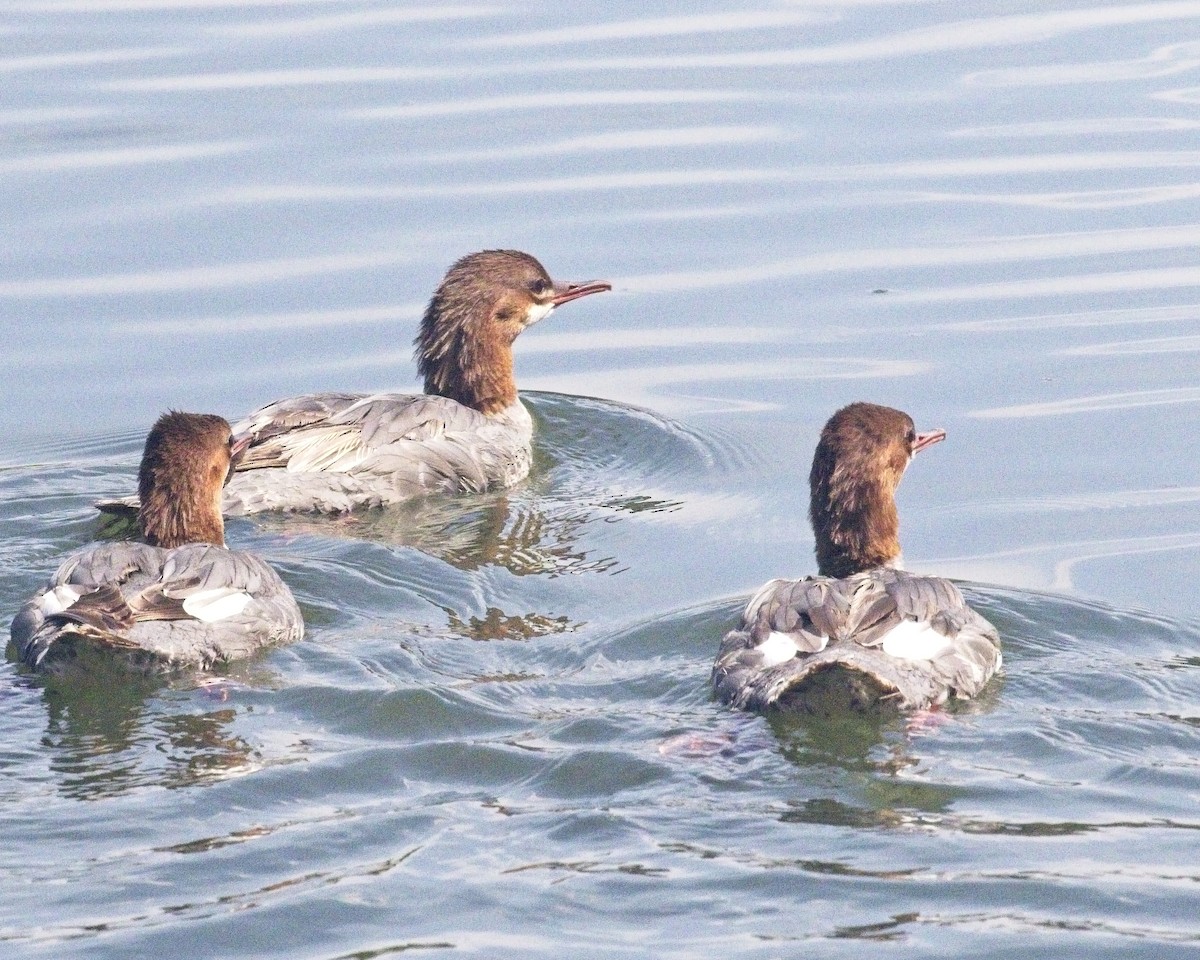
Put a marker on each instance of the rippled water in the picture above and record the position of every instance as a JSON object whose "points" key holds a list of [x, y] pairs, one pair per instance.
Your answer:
{"points": [[497, 737]]}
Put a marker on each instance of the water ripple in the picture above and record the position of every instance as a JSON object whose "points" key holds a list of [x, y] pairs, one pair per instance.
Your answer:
{"points": [[87, 58], [1128, 400], [1110, 500], [556, 101], [1079, 126], [1065, 200], [1017, 565], [206, 326], [352, 20], [199, 278], [45, 116], [282, 77], [644, 386], [615, 141], [689, 25], [124, 157], [1131, 348], [1117, 281], [1185, 95], [1132, 316], [982, 32], [652, 179], [1163, 62], [62, 7], [991, 250]]}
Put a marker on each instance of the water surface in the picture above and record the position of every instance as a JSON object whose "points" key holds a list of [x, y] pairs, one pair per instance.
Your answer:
{"points": [[497, 737]]}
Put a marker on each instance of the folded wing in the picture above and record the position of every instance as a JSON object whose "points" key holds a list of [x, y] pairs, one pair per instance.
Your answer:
{"points": [[890, 635], [334, 451], [161, 609]]}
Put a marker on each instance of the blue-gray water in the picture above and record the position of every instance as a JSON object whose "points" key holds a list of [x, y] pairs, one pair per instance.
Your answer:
{"points": [[497, 737]]}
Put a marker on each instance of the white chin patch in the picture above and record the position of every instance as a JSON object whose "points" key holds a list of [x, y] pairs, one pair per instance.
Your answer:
{"points": [[213, 605], [538, 311], [914, 640]]}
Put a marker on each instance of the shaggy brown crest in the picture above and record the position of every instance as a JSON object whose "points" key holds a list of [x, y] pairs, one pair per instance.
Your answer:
{"points": [[861, 456], [185, 464], [464, 346]]}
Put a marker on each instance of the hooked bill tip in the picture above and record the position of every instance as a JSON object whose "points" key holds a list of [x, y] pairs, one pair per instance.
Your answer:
{"points": [[573, 291], [928, 439]]}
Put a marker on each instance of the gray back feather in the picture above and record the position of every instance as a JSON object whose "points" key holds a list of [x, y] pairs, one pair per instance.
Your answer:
{"points": [[132, 603], [840, 625], [334, 451]]}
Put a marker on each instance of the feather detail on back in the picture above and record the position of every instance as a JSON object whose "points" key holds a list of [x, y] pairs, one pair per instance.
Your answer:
{"points": [[189, 607], [901, 637], [336, 449], [335, 452], [178, 599]]}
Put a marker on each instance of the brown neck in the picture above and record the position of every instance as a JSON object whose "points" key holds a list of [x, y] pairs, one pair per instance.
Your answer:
{"points": [[478, 374], [854, 521], [179, 510], [460, 360]]}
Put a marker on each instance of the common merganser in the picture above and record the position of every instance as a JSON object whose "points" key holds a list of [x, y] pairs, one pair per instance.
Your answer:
{"points": [[863, 631], [178, 600], [468, 432]]}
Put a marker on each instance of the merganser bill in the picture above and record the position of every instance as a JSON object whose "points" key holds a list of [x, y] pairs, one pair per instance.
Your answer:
{"points": [[863, 631], [468, 432], [179, 599]]}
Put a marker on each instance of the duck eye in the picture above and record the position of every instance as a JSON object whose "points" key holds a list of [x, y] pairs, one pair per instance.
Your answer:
{"points": [[538, 286], [911, 437]]}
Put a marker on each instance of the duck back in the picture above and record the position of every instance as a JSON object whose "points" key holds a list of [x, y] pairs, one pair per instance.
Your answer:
{"points": [[880, 637], [333, 452], [157, 609]]}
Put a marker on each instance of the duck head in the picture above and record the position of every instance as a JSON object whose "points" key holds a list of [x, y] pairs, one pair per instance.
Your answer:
{"points": [[188, 458], [464, 347], [860, 459]]}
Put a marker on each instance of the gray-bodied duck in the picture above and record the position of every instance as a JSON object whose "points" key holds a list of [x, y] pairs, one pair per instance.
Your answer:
{"points": [[178, 599], [468, 432], [863, 631]]}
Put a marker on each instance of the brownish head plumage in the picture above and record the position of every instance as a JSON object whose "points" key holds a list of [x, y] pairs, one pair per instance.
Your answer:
{"points": [[184, 466], [464, 346], [860, 458]]}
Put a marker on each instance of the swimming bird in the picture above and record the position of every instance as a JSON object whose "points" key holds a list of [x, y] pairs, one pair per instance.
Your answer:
{"points": [[180, 598], [468, 432], [863, 631]]}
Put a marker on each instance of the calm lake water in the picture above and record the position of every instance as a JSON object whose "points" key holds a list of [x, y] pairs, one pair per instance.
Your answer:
{"points": [[497, 738]]}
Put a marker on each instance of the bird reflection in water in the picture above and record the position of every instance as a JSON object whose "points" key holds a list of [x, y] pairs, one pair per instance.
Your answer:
{"points": [[524, 534], [495, 624], [109, 732]]}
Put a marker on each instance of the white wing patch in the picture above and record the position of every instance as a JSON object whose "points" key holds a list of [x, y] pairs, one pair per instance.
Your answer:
{"points": [[59, 599], [219, 603], [780, 647], [914, 640]]}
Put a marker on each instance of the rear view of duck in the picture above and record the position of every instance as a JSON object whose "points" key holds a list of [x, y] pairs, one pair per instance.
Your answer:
{"points": [[864, 632], [179, 599]]}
